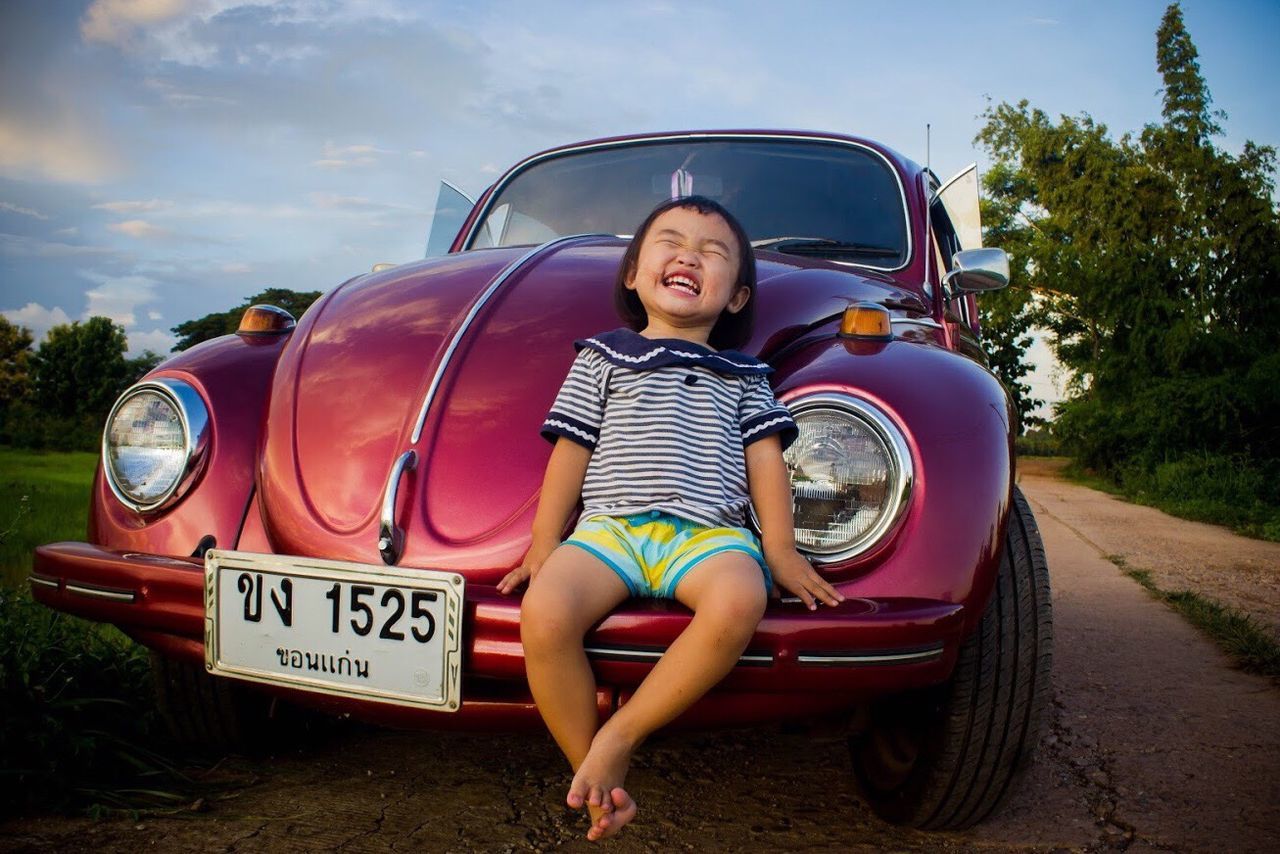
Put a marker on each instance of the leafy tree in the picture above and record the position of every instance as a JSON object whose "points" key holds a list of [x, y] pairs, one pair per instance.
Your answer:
{"points": [[226, 322], [80, 368], [135, 369], [15, 363], [1152, 260]]}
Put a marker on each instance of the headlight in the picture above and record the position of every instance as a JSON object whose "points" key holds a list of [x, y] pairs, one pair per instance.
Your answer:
{"points": [[851, 475], [156, 433]]}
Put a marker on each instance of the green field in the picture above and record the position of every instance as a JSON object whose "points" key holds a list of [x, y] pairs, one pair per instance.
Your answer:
{"points": [[44, 497]]}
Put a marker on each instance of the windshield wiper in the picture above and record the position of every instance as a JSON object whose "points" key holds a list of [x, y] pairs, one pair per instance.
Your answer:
{"points": [[824, 246]]}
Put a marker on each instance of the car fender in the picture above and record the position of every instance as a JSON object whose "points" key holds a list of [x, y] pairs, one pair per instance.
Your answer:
{"points": [[955, 417]]}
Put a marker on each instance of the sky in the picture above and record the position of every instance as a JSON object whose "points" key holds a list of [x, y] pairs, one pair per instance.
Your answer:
{"points": [[163, 159]]}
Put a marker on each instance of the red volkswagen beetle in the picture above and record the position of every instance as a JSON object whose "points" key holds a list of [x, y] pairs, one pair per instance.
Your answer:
{"points": [[320, 511]]}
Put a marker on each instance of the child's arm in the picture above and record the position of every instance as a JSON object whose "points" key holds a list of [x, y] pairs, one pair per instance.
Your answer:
{"points": [[771, 495], [561, 488]]}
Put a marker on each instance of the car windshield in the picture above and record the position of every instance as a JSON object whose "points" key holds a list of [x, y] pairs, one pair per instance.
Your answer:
{"points": [[811, 198]]}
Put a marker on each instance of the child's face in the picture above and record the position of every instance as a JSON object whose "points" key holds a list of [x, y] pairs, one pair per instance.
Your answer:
{"points": [[686, 274]]}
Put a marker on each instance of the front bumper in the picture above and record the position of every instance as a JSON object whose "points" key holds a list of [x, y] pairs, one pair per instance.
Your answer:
{"points": [[799, 663]]}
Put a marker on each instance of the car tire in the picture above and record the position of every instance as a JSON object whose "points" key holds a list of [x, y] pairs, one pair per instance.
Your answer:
{"points": [[944, 758], [208, 713]]}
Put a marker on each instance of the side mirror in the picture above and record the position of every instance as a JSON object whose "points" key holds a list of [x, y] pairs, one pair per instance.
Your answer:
{"points": [[977, 270]]}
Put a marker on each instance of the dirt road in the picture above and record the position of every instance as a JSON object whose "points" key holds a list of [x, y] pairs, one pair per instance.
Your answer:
{"points": [[1155, 743]]}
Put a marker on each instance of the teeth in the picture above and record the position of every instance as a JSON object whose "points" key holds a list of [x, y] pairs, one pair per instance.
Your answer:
{"points": [[683, 281]]}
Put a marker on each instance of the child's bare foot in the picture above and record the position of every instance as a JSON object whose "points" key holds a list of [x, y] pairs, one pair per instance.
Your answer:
{"points": [[608, 824], [597, 786]]}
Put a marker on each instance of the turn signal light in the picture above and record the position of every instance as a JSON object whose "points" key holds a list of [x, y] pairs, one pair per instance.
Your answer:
{"points": [[265, 320], [866, 320]]}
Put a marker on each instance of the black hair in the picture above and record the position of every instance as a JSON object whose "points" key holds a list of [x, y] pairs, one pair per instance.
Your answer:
{"points": [[732, 329]]}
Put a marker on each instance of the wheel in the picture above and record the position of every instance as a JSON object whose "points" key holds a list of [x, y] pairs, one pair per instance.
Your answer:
{"points": [[206, 712], [944, 758]]}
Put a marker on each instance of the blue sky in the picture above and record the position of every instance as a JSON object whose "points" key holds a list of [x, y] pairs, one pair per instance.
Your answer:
{"points": [[161, 159]]}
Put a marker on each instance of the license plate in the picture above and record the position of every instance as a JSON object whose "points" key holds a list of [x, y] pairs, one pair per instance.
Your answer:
{"points": [[372, 633]]}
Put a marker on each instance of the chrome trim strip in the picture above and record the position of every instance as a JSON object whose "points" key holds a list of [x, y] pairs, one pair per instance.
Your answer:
{"points": [[42, 581], [484, 298], [702, 137], [391, 538], [195, 428], [102, 593], [916, 321], [854, 659], [655, 654], [903, 476]]}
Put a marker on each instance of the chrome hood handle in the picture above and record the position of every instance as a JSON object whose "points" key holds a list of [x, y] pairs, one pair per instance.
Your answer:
{"points": [[391, 538]]}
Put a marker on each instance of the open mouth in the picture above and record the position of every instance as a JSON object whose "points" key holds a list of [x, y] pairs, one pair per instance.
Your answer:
{"points": [[682, 283]]}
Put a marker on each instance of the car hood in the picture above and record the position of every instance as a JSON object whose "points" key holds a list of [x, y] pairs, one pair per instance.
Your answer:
{"points": [[348, 393]]}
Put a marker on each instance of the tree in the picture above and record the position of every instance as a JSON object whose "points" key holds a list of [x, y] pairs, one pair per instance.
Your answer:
{"points": [[226, 322], [15, 363], [1153, 261], [80, 369]]}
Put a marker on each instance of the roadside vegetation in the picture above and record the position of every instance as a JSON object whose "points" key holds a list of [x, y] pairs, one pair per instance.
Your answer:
{"points": [[78, 730], [1151, 260], [1250, 645]]}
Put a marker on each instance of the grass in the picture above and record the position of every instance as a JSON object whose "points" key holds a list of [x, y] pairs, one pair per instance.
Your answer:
{"points": [[44, 497], [1248, 643], [1214, 489], [78, 726]]}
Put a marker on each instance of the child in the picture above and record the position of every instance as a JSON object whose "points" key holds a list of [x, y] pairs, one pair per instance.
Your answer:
{"points": [[666, 440]]}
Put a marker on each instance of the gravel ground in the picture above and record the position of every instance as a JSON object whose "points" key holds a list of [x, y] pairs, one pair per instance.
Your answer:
{"points": [[1154, 742]]}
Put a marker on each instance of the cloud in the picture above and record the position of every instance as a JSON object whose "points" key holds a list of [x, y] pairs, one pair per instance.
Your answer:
{"points": [[37, 318], [118, 297], [20, 246], [235, 268], [157, 341], [56, 146], [12, 208], [139, 229], [118, 21], [355, 204], [344, 156], [135, 206]]}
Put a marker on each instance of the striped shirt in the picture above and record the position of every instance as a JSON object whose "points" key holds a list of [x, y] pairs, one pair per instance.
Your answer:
{"points": [[666, 422]]}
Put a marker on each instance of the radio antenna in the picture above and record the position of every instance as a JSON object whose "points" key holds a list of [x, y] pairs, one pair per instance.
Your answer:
{"points": [[928, 140]]}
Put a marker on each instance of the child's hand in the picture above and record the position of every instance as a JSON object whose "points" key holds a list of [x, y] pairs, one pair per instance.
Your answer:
{"points": [[792, 572], [537, 554]]}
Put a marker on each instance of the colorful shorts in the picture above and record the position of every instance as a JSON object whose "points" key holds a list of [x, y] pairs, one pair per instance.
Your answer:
{"points": [[651, 552]]}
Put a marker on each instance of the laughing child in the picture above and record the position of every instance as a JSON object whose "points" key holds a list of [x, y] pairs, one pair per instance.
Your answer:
{"points": [[668, 437]]}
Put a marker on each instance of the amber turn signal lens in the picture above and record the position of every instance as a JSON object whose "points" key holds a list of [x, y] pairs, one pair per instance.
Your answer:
{"points": [[866, 321], [265, 320]]}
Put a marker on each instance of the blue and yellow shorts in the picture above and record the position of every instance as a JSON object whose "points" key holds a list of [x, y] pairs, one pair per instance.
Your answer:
{"points": [[651, 552]]}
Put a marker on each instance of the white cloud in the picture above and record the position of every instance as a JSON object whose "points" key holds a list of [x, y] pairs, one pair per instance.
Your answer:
{"points": [[135, 206], [344, 156], [37, 318], [118, 297], [139, 229], [154, 315], [157, 341], [118, 21], [69, 231], [236, 268], [56, 146], [21, 246], [12, 208]]}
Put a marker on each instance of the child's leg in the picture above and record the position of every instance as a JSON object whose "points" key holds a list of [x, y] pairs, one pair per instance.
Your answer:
{"points": [[727, 595], [570, 593]]}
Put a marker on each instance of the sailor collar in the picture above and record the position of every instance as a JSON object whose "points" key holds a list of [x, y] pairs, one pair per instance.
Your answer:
{"points": [[629, 349]]}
